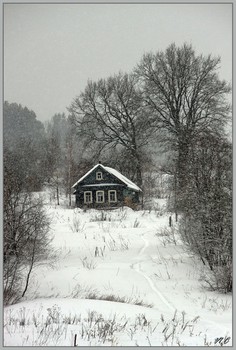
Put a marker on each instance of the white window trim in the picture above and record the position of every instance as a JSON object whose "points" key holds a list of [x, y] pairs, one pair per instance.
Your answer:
{"points": [[97, 196], [109, 199], [91, 197], [98, 178]]}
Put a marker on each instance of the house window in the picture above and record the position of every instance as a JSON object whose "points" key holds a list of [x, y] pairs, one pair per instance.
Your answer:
{"points": [[100, 196], [88, 197], [112, 196], [98, 176]]}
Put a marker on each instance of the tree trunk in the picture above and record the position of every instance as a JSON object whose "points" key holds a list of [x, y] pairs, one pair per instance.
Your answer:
{"points": [[69, 199], [138, 168], [139, 175], [58, 203], [181, 174], [30, 269]]}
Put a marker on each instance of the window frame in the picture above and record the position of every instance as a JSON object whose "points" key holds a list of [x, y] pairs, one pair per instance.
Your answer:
{"points": [[97, 177], [91, 197], [109, 198], [103, 194]]}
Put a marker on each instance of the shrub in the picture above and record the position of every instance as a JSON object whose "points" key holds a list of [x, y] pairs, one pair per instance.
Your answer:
{"points": [[77, 225], [220, 278], [89, 264]]}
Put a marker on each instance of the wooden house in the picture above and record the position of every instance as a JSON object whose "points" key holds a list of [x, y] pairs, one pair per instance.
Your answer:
{"points": [[105, 187]]}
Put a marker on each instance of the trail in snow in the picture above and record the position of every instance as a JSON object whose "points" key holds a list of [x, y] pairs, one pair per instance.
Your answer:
{"points": [[137, 267]]}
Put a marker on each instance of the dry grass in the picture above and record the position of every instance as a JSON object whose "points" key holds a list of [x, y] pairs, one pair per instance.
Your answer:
{"points": [[95, 329], [118, 299]]}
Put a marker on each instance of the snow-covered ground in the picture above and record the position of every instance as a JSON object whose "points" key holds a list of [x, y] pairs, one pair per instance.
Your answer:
{"points": [[120, 278]]}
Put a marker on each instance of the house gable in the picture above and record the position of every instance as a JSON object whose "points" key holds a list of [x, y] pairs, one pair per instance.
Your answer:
{"points": [[98, 176]]}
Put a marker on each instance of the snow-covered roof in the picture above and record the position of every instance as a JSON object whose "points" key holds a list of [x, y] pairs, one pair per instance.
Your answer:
{"points": [[123, 178], [114, 172]]}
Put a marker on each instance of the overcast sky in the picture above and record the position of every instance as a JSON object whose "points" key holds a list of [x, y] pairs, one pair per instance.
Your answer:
{"points": [[51, 50]]}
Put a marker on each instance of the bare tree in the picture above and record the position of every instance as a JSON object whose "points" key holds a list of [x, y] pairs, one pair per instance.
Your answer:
{"points": [[55, 150], [111, 112], [71, 160], [25, 232], [185, 97]]}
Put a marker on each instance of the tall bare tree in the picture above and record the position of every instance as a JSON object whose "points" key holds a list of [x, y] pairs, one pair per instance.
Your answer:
{"points": [[111, 111], [185, 95]]}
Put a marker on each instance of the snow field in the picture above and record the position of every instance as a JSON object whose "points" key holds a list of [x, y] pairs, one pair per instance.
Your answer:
{"points": [[119, 277]]}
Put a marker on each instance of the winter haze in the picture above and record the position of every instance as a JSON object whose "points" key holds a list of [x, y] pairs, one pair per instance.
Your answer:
{"points": [[51, 50]]}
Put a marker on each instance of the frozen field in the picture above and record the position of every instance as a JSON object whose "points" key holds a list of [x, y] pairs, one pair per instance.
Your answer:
{"points": [[119, 278]]}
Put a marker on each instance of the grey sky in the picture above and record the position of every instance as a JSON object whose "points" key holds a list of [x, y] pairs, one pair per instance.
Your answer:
{"points": [[51, 50]]}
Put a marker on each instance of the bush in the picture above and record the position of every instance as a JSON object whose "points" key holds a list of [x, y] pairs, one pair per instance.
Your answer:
{"points": [[220, 278], [25, 241], [215, 253], [76, 225]]}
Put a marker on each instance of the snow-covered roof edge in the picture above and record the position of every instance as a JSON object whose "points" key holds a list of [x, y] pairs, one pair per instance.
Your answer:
{"points": [[85, 175], [114, 172], [123, 178]]}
